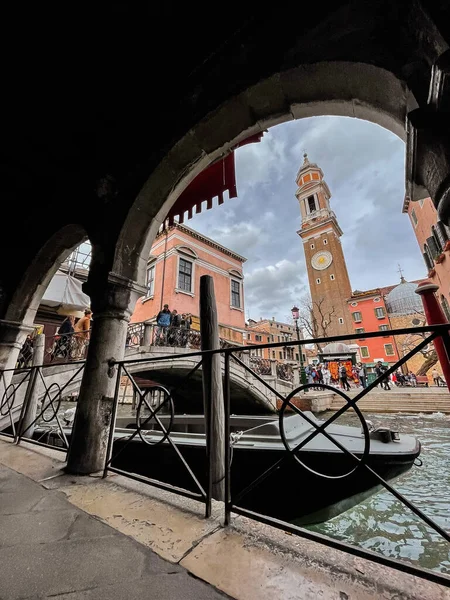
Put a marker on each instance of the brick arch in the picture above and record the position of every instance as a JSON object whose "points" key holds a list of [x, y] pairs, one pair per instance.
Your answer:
{"points": [[329, 88], [28, 294]]}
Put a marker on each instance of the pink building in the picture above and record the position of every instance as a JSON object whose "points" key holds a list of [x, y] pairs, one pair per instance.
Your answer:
{"points": [[433, 238], [179, 257]]}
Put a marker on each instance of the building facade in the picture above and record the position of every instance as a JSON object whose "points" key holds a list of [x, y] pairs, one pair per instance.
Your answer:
{"points": [[269, 331], [329, 282], [369, 313], [433, 239], [178, 258]]}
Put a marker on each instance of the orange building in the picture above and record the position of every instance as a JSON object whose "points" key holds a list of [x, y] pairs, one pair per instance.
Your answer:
{"points": [[369, 313], [178, 258], [433, 238]]}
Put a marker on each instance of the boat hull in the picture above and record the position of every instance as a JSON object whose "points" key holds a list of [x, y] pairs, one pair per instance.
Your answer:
{"points": [[291, 492]]}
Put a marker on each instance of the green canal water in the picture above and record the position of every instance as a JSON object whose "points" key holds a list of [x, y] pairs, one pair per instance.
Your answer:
{"points": [[385, 525]]}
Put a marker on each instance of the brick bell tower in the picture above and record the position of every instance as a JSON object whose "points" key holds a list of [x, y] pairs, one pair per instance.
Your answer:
{"points": [[327, 272]]}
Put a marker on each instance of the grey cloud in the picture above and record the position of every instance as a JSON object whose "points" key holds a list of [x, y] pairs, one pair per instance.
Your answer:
{"points": [[274, 288], [363, 165]]}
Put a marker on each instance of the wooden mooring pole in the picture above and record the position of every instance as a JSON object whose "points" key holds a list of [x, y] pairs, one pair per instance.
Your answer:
{"points": [[212, 388]]}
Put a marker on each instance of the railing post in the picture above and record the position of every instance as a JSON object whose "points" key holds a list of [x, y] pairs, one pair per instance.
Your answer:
{"points": [[273, 367], [148, 329], [435, 316], [32, 394], [296, 379], [212, 388]]}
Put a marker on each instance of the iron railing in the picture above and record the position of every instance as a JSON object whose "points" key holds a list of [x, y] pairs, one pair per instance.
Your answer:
{"points": [[40, 421], [152, 430], [235, 493], [66, 347]]}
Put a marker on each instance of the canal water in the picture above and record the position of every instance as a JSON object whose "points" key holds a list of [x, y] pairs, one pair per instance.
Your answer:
{"points": [[385, 525]]}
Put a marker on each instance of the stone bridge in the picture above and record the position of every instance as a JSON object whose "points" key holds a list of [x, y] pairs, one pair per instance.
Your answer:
{"points": [[248, 394]]}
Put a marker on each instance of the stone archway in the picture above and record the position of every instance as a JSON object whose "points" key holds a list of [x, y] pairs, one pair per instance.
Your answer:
{"points": [[329, 88], [28, 294]]}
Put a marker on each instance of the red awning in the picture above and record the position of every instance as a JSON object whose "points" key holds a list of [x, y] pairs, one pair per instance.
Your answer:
{"points": [[214, 181]]}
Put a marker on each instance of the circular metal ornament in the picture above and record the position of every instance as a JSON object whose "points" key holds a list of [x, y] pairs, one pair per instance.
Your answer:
{"points": [[51, 403], [143, 402], [287, 402], [5, 400]]}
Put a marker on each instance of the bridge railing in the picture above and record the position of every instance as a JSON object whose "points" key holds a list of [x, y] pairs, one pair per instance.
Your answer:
{"points": [[292, 458], [152, 335], [35, 403]]}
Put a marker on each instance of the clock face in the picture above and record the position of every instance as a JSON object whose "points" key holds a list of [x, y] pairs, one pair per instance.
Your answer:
{"points": [[321, 260]]}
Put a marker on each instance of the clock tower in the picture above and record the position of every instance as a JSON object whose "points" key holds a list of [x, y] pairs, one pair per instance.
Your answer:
{"points": [[327, 272]]}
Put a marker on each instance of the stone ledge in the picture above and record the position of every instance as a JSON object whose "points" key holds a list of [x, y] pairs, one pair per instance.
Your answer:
{"points": [[247, 560]]}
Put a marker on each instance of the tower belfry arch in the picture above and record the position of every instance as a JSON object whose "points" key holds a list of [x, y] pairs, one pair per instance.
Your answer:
{"points": [[329, 282]]}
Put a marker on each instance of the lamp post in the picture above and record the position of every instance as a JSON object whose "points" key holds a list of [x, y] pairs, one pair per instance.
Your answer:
{"points": [[296, 315]]}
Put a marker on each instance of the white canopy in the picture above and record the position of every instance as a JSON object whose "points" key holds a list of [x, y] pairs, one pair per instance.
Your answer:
{"points": [[64, 293]]}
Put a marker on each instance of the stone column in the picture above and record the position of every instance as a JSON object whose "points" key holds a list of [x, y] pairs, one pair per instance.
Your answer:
{"points": [[12, 337], [111, 304]]}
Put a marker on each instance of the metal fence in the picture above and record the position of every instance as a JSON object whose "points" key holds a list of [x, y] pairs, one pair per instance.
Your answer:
{"points": [[31, 403], [237, 488]]}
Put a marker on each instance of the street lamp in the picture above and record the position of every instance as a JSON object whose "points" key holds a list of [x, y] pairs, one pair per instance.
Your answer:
{"points": [[296, 315]]}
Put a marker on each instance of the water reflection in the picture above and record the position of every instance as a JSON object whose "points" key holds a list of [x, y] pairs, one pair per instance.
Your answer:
{"points": [[382, 523]]}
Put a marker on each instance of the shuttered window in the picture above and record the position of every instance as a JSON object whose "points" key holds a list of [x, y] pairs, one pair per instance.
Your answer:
{"points": [[442, 233], [432, 246], [439, 245], [427, 257]]}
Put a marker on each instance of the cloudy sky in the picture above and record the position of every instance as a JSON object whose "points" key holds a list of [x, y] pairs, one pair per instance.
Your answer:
{"points": [[363, 166]]}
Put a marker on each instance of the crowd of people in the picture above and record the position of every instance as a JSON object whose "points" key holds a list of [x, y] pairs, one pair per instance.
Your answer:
{"points": [[346, 377], [69, 343], [172, 329]]}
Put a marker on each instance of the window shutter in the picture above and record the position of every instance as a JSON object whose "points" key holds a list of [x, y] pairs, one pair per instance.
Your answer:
{"points": [[431, 242], [437, 239], [427, 260], [442, 232]]}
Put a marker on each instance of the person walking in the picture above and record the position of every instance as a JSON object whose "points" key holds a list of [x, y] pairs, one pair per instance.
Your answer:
{"points": [[174, 329], [362, 376], [437, 378], [343, 377], [162, 324], [65, 342], [82, 332], [326, 374], [380, 369], [185, 326]]}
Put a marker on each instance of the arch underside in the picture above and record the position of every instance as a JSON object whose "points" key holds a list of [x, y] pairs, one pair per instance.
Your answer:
{"points": [[330, 88]]}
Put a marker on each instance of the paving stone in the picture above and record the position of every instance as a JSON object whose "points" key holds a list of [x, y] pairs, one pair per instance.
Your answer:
{"points": [[49, 526], [22, 500], [179, 586], [67, 566]]}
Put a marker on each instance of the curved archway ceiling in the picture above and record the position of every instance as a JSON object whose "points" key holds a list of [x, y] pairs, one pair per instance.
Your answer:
{"points": [[212, 182]]}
